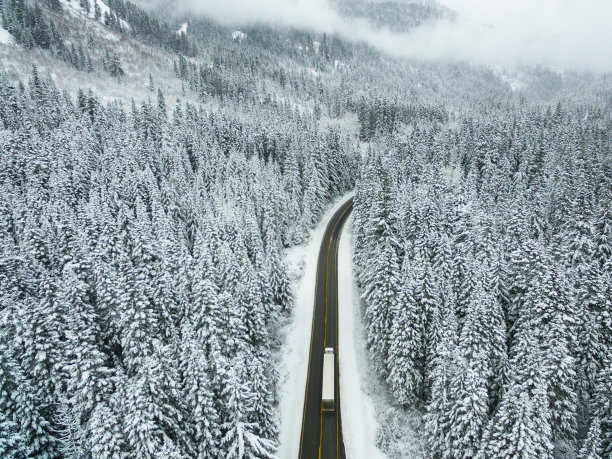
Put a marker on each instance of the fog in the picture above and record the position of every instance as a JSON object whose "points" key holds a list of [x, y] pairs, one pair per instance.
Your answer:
{"points": [[563, 34]]}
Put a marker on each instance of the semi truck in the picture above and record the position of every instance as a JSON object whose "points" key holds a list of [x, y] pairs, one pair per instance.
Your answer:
{"points": [[327, 399]]}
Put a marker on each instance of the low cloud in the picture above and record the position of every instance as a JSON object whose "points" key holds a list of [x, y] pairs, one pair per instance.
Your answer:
{"points": [[564, 34], [313, 14], [561, 33]]}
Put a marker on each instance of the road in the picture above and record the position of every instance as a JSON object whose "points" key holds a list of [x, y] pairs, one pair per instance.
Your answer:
{"points": [[322, 433]]}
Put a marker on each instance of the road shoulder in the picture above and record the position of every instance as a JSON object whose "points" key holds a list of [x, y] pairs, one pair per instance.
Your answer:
{"points": [[359, 421]]}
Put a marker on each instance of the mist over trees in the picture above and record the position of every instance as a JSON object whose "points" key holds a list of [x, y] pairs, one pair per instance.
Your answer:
{"points": [[396, 15]]}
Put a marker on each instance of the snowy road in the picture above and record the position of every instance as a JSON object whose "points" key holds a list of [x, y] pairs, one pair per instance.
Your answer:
{"points": [[303, 262], [359, 424], [321, 434]]}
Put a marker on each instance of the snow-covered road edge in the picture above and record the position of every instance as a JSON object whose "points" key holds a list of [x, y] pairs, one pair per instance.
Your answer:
{"points": [[359, 420], [294, 361]]}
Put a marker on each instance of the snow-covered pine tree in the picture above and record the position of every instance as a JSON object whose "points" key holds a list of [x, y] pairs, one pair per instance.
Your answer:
{"points": [[521, 425], [591, 446], [405, 358], [203, 419], [438, 421]]}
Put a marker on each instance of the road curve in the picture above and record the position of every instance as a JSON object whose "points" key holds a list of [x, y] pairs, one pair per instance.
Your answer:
{"points": [[321, 435]]}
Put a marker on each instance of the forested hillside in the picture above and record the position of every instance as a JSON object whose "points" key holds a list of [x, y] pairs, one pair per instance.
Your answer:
{"points": [[397, 15], [141, 274], [153, 169], [484, 256]]}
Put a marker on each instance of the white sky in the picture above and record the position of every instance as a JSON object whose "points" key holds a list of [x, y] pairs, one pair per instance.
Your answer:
{"points": [[565, 34]]}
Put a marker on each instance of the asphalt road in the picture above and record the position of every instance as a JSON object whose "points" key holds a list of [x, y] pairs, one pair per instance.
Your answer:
{"points": [[322, 432]]}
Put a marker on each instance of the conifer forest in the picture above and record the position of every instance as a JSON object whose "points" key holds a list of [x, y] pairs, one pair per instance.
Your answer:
{"points": [[159, 164]]}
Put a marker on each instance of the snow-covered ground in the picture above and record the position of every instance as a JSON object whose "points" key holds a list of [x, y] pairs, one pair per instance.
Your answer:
{"points": [[75, 6], [514, 77], [183, 28], [238, 35], [359, 422], [5, 37], [302, 264], [138, 59]]}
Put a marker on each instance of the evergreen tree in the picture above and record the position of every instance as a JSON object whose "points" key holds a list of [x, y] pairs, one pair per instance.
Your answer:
{"points": [[11, 441], [88, 377], [105, 435], [382, 299], [239, 439], [405, 357], [438, 422], [521, 425], [199, 399], [591, 447]]}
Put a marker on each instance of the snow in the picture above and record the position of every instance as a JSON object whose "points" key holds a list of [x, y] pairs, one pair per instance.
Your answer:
{"points": [[238, 35], [316, 45], [302, 264], [182, 29], [359, 422], [5, 37], [75, 6], [514, 78]]}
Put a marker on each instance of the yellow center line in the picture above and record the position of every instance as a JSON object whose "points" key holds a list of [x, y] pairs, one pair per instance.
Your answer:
{"points": [[331, 226], [335, 264], [326, 282], [331, 238], [337, 353]]}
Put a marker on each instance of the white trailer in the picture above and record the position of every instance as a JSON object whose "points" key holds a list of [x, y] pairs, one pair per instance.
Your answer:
{"points": [[327, 402]]}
